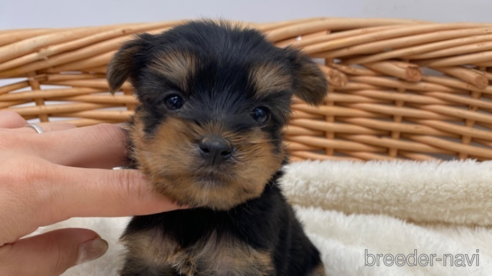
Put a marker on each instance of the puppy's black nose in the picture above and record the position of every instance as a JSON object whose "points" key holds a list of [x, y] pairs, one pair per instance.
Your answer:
{"points": [[215, 149]]}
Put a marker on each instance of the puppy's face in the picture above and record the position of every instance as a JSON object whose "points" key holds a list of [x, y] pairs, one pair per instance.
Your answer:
{"points": [[214, 99]]}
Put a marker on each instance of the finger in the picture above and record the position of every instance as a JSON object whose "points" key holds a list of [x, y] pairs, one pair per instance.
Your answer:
{"points": [[100, 146], [103, 193], [46, 127], [10, 119], [52, 253], [64, 192]]}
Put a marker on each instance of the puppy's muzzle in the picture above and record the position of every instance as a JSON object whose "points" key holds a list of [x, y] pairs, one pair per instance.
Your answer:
{"points": [[215, 149]]}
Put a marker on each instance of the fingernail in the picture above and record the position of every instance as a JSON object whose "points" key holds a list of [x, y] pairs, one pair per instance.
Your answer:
{"points": [[92, 250]]}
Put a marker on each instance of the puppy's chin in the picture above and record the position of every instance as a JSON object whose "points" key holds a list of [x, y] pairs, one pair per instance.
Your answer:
{"points": [[208, 191], [183, 183], [211, 180]]}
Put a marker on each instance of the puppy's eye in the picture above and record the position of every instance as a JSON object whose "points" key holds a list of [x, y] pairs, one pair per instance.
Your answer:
{"points": [[260, 114], [174, 102]]}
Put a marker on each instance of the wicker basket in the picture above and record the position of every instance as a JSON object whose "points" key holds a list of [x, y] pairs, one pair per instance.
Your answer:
{"points": [[399, 88]]}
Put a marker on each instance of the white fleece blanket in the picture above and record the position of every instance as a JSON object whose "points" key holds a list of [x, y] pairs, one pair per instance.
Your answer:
{"points": [[442, 210]]}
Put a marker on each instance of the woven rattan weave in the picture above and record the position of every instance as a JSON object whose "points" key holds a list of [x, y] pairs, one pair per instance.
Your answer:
{"points": [[399, 88]]}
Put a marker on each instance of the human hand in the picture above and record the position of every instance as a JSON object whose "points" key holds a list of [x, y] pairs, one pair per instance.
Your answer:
{"points": [[63, 173]]}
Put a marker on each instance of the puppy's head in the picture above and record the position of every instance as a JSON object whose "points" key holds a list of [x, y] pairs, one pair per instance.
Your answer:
{"points": [[214, 99]]}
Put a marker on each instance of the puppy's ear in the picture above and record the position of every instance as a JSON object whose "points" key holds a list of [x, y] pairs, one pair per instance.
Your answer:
{"points": [[128, 61], [310, 85]]}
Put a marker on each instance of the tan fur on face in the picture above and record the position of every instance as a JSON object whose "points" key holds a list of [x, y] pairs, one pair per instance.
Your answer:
{"points": [[212, 256], [171, 160], [270, 78], [175, 66]]}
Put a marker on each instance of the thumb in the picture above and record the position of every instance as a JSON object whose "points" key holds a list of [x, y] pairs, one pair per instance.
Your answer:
{"points": [[52, 253]]}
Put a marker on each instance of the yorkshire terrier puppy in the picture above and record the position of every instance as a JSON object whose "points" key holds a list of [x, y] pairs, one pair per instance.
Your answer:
{"points": [[208, 134]]}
